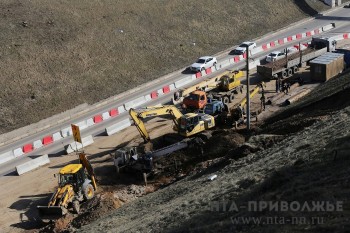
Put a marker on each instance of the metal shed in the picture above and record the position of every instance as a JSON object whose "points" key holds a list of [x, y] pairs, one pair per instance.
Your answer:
{"points": [[326, 66]]}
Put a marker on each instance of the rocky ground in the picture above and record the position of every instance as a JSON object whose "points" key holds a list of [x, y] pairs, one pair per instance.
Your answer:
{"points": [[57, 55], [300, 155]]}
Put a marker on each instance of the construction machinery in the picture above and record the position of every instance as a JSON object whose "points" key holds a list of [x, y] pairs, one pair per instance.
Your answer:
{"points": [[237, 114], [76, 183], [185, 124], [129, 159], [222, 89], [229, 85]]}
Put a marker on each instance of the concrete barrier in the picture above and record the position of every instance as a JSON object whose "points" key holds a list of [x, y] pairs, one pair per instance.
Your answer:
{"points": [[160, 92], [257, 50], [134, 103], [32, 164], [148, 97], [105, 116], [172, 87], [90, 122], [115, 128], [82, 125], [338, 37], [121, 109], [37, 144], [56, 136], [203, 73], [327, 27], [182, 82], [7, 156], [18, 152], [66, 132], [76, 145], [224, 64]]}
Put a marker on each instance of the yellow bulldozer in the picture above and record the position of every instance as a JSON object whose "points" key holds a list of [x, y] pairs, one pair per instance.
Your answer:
{"points": [[76, 183]]}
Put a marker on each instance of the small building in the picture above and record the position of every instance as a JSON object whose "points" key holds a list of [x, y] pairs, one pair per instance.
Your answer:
{"points": [[326, 66]]}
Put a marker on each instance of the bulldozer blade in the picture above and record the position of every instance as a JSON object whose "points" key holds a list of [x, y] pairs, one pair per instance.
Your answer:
{"points": [[51, 212]]}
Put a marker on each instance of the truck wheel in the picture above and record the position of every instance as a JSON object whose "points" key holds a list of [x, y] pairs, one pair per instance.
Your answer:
{"points": [[232, 97], [290, 72], [284, 74], [76, 206], [88, 192], [226, 100], [295, 69]]}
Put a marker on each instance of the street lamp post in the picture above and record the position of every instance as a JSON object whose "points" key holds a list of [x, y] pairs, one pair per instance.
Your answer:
{"points": [[248, 91]]}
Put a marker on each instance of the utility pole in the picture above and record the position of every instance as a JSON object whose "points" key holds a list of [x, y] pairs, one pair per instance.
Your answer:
{"points": [[248, 91]]}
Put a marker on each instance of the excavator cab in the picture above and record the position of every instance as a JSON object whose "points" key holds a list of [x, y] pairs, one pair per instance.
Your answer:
{"points": [[72, 174], [194, 123]]}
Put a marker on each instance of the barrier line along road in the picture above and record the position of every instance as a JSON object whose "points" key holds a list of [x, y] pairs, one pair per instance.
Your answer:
{"points": [[32, 164]]}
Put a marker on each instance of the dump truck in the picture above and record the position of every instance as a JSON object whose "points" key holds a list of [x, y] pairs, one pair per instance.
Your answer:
{"points": [[290, 65], [195, 100], [76, 183]]}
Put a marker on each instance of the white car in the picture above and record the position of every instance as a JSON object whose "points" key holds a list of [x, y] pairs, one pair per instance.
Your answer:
{"points": [[242, 48], [203, 63], [274, 56]]}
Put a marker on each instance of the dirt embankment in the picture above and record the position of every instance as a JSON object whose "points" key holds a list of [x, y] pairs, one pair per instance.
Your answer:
{"points": [[57, 55], [306, 164]]}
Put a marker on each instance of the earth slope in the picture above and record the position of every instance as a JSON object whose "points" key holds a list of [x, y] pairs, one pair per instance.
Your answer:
{"points": [[308, 163]]}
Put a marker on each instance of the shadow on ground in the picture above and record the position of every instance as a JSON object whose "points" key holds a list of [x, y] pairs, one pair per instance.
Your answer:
{"points": [[27, 205], [305, 7]]}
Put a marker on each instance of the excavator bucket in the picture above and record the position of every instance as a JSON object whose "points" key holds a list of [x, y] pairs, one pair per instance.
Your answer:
{"points": [[51, 212]]}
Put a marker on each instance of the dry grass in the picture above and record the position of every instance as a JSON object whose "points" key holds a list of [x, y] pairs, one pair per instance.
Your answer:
{"points": [[72, 52]]}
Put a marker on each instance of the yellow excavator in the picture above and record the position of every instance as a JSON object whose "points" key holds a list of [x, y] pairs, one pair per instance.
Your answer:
{"points": [[185, 124], [76, 183]]}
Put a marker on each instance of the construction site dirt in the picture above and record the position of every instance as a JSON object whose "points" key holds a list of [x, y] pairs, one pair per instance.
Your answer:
{"points": [[227, 150]]}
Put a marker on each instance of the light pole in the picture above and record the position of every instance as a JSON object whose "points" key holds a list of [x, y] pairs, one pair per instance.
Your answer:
{"points": [[248, 91]]}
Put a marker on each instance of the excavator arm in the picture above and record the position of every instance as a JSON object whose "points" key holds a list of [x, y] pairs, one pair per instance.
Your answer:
{"points": [[252, 93], [139, 114], [87, 165]]}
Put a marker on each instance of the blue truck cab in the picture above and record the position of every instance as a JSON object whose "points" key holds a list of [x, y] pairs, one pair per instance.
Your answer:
{"points": [[214, 107]]}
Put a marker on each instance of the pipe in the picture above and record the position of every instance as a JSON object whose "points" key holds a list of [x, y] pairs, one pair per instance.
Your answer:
{"points": [[298, 96]]}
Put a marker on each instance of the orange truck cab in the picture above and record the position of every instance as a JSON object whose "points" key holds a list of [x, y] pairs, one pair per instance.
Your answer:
{"points": [[195, 100]]}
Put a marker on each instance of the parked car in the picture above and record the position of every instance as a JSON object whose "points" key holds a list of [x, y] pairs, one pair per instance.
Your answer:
{"points": [[242, 48], [274, 56], [203, 63]]}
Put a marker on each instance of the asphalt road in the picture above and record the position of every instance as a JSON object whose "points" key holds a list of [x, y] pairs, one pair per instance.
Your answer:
{"points": [[339, 16]]}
